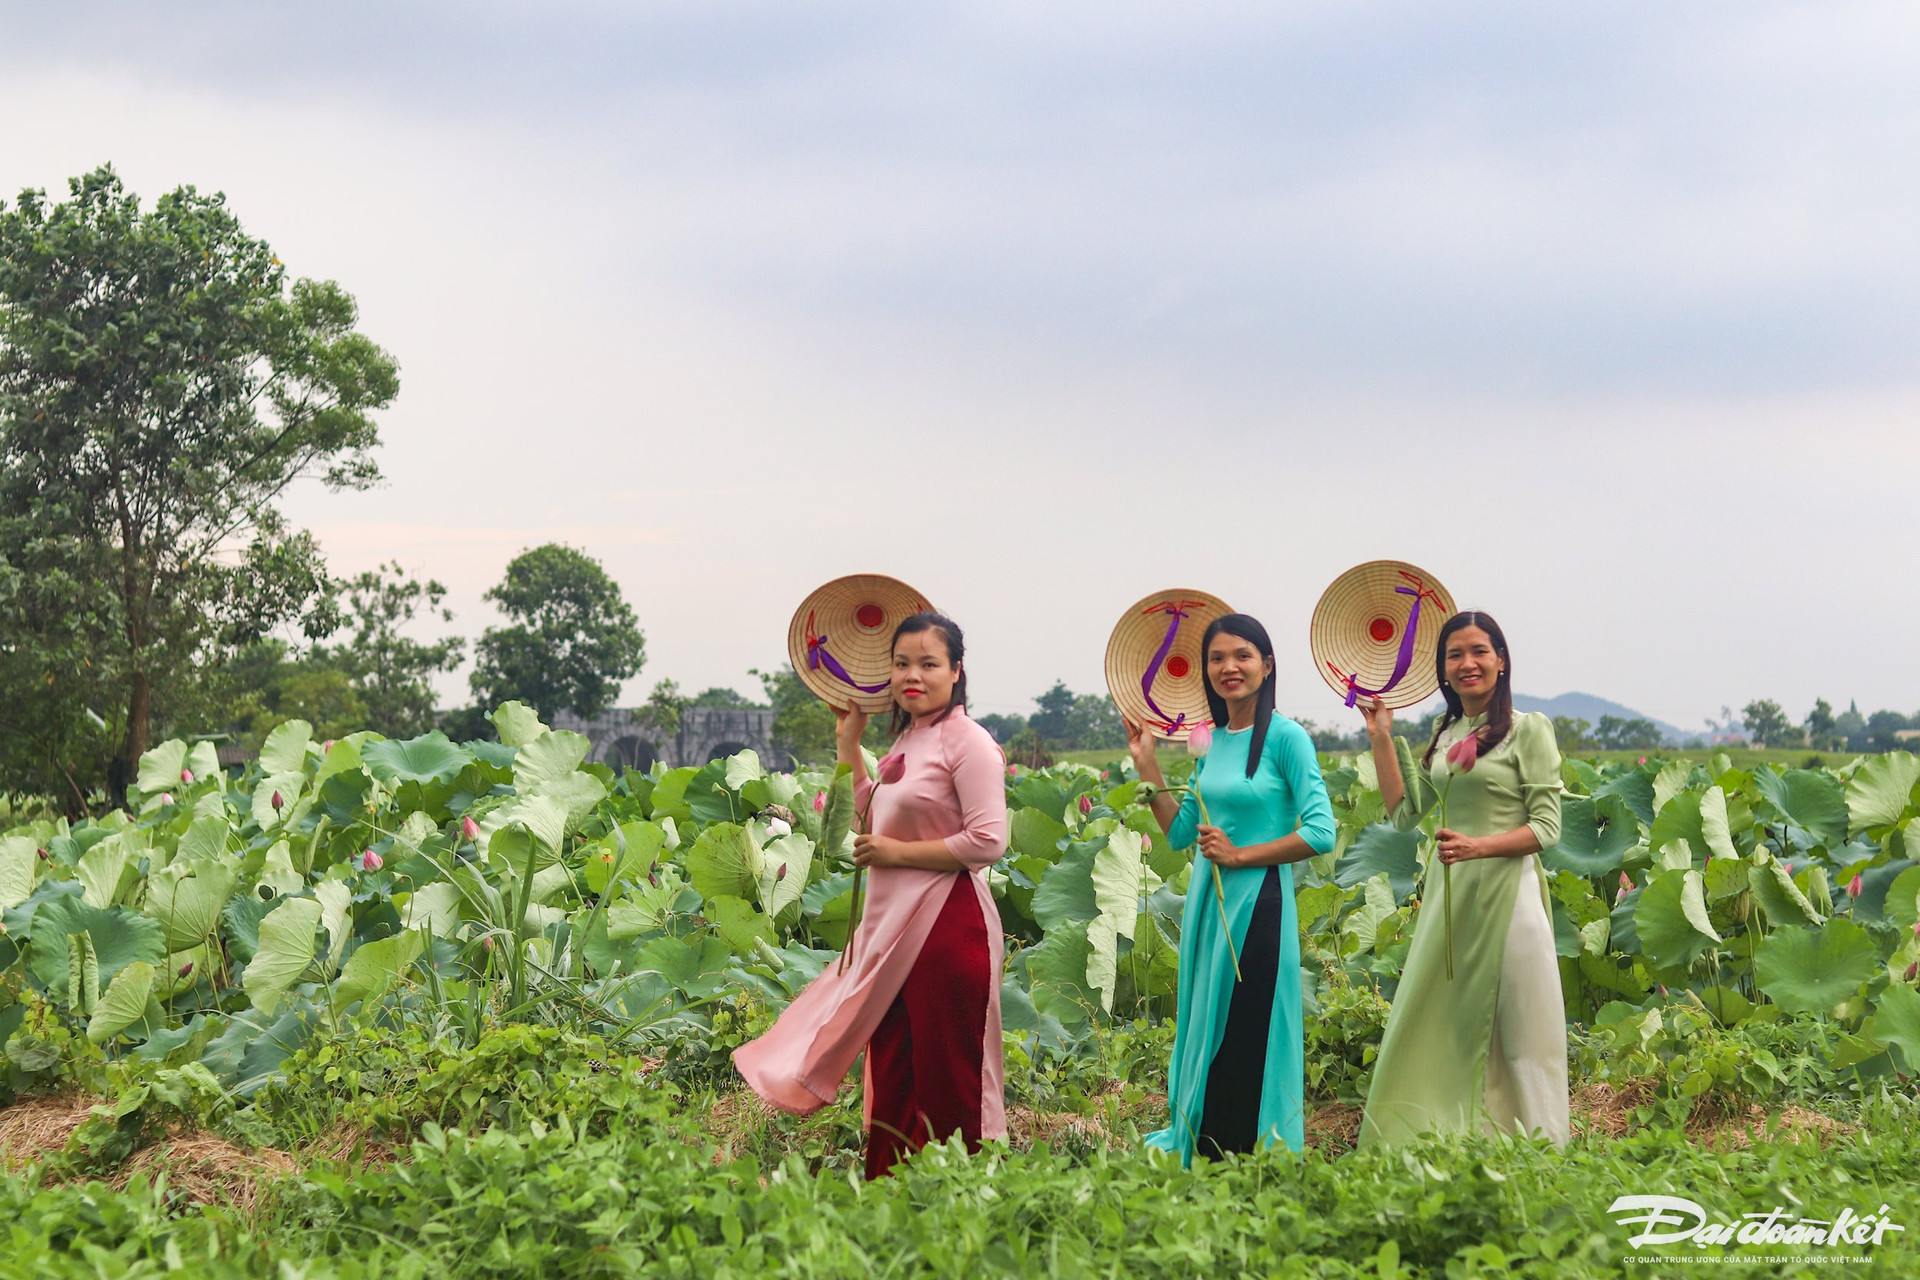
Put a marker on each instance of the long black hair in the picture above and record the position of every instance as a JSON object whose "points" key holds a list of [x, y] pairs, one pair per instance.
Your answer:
{"points": [[928, 620], [1242, 627], [1500, 710]]}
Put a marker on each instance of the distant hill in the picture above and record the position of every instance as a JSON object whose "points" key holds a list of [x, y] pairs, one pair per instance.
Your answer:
{"points": [[1584, 706]]}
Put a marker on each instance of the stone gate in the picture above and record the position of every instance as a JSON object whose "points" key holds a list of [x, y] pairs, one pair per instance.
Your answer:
{"points": [[621, 742]]}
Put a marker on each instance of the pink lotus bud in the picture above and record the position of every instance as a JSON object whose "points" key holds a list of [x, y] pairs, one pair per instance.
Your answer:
{"points": [[652, 879], [487, 943], [186, 777], [1626, 883], [327, 745], [469, 829], [1913, 971], [1462, 755], [166, 797], [1641, 760], [893, 768], [1105, 774], [1086, 805], [819, 802], [781, 874], [186, 969], [1916, 928], [1853, 887], [1200, 740], [372, 861], [278, 802], [44, 855], [1012, 770]]}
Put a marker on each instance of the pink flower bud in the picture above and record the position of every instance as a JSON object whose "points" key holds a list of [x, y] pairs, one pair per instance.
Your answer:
{"points": [[487, 943], [186, 969], [1462, 755], [1012, 770], [1913, 971], [372, 861], [186, 777], [1916, 928], [166, 797], [781, 874], [1853, 887], [278, 802], [893, 768], [1105, 774], [1200, 740], [1641, 760], [44, 855], [1086, 805], [1626, 883], [469, 829], [819, 802]]}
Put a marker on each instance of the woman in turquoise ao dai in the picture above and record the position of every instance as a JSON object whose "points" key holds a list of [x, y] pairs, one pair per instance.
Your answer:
{"points": [[1476, 1040], [1238, 1076]]}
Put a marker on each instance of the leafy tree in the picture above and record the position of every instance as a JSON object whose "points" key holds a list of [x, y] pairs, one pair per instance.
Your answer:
{"points": [[1094, 724], [1852, 727], [1002, 727], [1766, 723], [721, 697], [1623, 733], [802, 724], [1054, 719], [660, 714], [1823, 733], [392, 674], [1883, 730], [1572, 733], [571, 642], [161, 384]]}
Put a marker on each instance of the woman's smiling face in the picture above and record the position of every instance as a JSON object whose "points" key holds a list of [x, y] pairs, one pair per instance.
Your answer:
{"points": [[923, 672], [1473, 665], [1235, 668]]}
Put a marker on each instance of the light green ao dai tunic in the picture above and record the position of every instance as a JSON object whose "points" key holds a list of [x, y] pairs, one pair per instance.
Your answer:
{"points": [[1487, 1050]]}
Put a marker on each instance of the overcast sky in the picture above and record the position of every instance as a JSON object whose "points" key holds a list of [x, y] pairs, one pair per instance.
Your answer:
{"points": [[1606, 315]]}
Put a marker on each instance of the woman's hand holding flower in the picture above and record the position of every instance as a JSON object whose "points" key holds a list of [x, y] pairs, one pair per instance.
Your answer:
{"points": [[1455, 847], [1220, 851], [876, 851]]}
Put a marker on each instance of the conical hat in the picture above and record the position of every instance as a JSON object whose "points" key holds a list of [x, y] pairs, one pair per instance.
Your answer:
{"points": [[1155, 670], [1374, 633], [841, 638]]}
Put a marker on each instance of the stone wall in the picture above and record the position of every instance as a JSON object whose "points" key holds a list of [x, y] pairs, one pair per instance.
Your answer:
{"points": [[622, 743]]}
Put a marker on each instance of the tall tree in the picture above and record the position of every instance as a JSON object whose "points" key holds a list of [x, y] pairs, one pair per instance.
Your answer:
{"points": [[161, 384], [391, 671], [1766, 723], [1054, 719], [1822, 730], [572, 640]]}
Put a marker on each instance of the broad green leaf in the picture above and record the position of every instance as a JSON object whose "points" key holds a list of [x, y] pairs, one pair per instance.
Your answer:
{"points": [[837, 820], [434, 907], [1812, 800], [695, 966], [1671, 919], [106, 870], [1880, 794], [517, 723], [1594, 836], [724, 863], [1066, 889], [83, 974], [285, 750], [1035, 834], [20, 867], [285, 952], [1713, 824], [123, 1003], [525, 821], [1781, 898], [1812, 970], [1679, 819], [1670, 782], [428, 758], [739, 923], [1635, 790], [119, 936], [160, 767], [1057, 974], [742, 768], [186, 899], [287, 786], [205, 839], [203, 758], [643, 842], [1902, 903], [1727, 878], [374, 966], [1896, 1020], [278, 873], [553, 754], [1375, 906], [343, 756], [575, 793], [200, 963], [1118, 874], [784, 866], [1381, 850], [336, 907]]}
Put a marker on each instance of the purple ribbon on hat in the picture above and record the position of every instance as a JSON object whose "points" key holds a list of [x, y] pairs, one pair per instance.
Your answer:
{"points": [[817, 657], [1176, 613], [1403, 661]]}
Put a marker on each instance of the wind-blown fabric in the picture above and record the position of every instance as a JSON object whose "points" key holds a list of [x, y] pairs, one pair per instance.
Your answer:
{"points": [[1285, 793], [954, 789], [1487, 1050]]}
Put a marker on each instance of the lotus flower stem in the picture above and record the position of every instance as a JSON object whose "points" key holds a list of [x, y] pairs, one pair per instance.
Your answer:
{"points": [[892, 769], [1219, 889]]}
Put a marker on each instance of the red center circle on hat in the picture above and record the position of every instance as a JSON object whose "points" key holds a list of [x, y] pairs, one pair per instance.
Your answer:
{"points": [[1381, 630], [870, 616], [1177, 666]]}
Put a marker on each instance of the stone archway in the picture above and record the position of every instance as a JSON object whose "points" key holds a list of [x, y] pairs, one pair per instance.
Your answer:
{"points": [[721, 750], [633, 753]]}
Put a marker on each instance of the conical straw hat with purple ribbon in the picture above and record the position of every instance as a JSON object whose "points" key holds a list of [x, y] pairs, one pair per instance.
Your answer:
{"points": [[1155, 670], [841, 638], [1374, 632]]}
